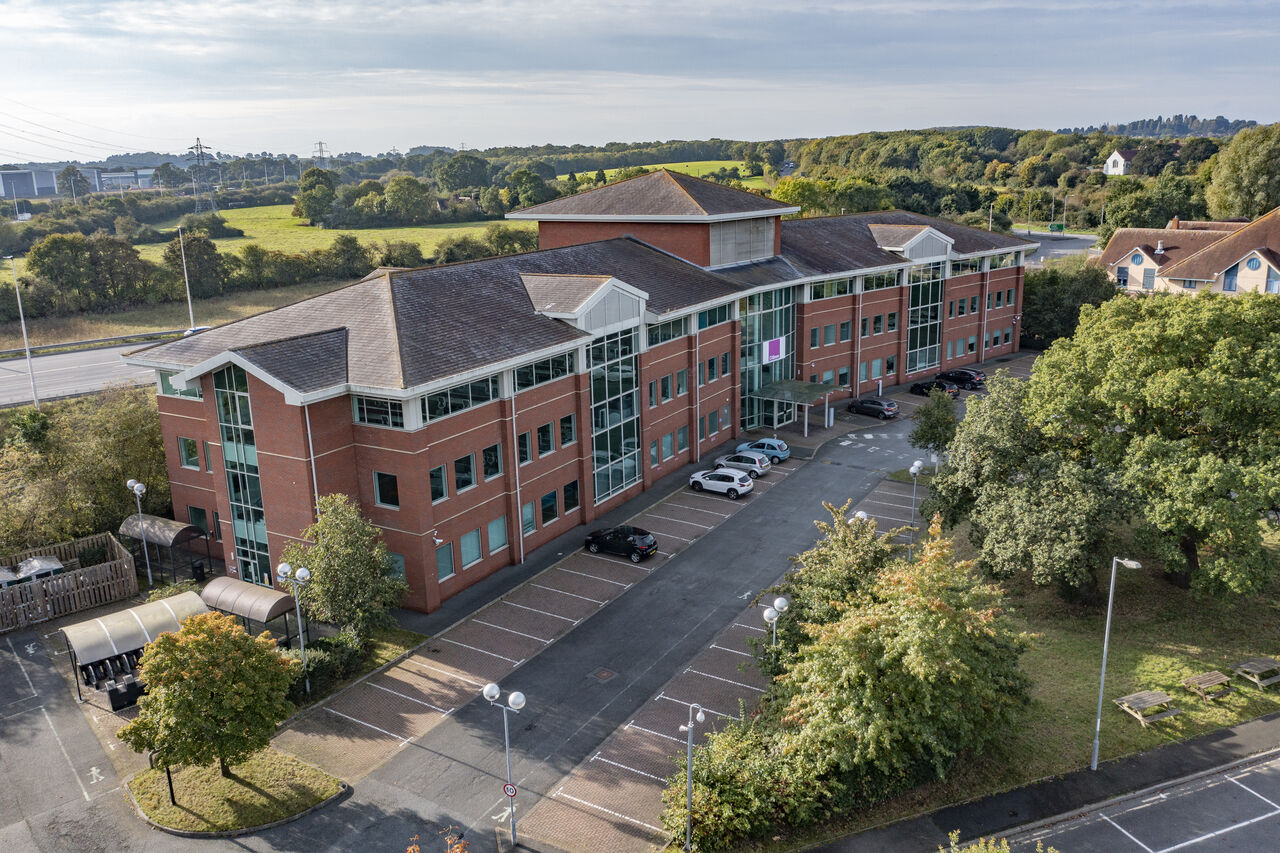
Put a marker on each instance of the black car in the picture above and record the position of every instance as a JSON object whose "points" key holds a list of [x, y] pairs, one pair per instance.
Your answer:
{"points": [[964, 377], [925, 388], [880, 407], [624, 540]]}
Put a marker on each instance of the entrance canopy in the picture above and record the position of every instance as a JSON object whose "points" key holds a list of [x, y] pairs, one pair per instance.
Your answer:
{"points": [[250, 601], [794, 391], [129, 630], [159, 531]]}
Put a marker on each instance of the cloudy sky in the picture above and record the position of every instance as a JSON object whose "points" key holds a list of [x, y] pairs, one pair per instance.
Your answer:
{"points": [[85, 78]]}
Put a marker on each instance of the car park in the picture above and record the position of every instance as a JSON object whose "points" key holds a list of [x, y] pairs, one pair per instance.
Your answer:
{"points": [[775, 448], [965, 377], [755, 464], [732, 484], [925, 387], [623, 540], [878, 407]]}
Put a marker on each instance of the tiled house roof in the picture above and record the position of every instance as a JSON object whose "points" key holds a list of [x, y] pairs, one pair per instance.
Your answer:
{"points": [[657, 194], [1263, 234], [1176, 243]]}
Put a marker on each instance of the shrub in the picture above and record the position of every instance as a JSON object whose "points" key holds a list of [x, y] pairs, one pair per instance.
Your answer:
{"points": [[94, 556], [166, 590], [330, 661]]}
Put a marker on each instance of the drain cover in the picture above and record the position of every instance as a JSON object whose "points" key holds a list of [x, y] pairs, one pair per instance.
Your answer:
{"points": [[603, 674]]}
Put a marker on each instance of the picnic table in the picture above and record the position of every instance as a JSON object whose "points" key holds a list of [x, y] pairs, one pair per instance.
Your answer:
{"points": [[1202, 685], [1138, 704], [1257, 669]]}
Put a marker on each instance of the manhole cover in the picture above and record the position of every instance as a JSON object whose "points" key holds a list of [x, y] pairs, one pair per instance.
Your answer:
{"points": [[603, 674]]}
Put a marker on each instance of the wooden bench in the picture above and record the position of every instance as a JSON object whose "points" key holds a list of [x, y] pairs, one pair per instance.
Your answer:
{"points": [[1202, 685], [1137, 704], [1255, 669]]}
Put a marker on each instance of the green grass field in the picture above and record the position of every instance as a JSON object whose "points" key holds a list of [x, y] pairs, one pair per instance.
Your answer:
{"points": [[697, 168]]}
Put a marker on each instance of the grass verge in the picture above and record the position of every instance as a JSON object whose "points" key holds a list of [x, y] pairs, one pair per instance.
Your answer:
{"points": [[270, 786]]}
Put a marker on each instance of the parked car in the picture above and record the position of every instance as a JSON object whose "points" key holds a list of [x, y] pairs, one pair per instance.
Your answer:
{"points": [[732, 484], [926, 387], [755, 464], [879, 407], [624, 540], [775, 448], [965, 377]]}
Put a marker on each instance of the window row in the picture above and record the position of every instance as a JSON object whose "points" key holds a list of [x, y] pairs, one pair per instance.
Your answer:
{"points": [[531, 375], [668, 388], [713, 317], [876, 369], [963, 306], [713, 422], [1000, 298], [547, 507], [460, 397], [879, 324], [668, 331], [960, 347], [469, 548], [831, 377], [660, 450], [713, 368]]}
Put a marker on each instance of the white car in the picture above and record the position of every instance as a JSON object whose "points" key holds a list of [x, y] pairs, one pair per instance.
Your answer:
{"points": [[755, 464], [732, 484]]}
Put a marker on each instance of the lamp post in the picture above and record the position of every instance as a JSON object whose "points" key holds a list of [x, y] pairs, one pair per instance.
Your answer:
{"points": [[771, 614], [515, 701], [914, 470], [700, 717], [139, 490], [298, 577], [182, 247], [1106, 640], [22, 320]]}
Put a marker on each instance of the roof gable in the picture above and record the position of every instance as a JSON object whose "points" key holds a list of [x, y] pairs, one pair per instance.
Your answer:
{"points": [[1176, 243], [1213, 259]]}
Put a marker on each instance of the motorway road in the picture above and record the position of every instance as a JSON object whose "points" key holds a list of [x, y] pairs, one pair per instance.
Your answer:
{"points": [[69, 373]]}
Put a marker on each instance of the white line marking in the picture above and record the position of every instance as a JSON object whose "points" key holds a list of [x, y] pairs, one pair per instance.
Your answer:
{"points": [[632, 725], [673, 536], [570, 594], [750, 627], [880, 517], [731, 651], [597, 757], [511, 631], [611, 561], [370, 725], [56, 737], [543, 612], [697, 509], [1127, 835], [443, 672], [712, 711], [34, 692], [618, 815], [410, 698], [1209, 835], [593, 577], [1255, 793], [725, 680], [480, 650], [681, 521]]}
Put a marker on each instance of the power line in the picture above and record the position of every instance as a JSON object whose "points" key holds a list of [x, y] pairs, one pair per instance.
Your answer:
{"points": [[95, 142], [94, 126]]}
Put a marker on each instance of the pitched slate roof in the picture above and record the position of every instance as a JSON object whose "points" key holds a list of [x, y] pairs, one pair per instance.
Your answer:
{"points": [[308, 362], [1177, 244], [1206, 264], [560, 294], [657, 194]]}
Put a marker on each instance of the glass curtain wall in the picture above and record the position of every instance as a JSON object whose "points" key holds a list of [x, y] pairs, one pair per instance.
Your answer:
{"points": [[924, 320], [765, 317], [615, 412], [240, 460]]}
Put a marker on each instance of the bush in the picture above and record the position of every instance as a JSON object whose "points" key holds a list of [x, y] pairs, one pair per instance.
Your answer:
{"points": [[167, 590], [94, 556], [330, 661]]}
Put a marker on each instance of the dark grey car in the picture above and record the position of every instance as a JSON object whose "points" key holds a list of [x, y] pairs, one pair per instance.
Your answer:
{"points": [[878, 407]]}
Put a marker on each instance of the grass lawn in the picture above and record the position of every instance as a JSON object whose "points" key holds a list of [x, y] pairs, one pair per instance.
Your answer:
{"points": [[270, 786], [697, 168]]}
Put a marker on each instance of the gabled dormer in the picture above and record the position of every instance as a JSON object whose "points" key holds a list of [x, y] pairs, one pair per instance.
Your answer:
{"points": [[595, 304]]}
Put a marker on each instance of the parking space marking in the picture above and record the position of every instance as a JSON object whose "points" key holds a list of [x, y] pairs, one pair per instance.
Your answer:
{"points": [[750, 627], [1255, 793], [681, 521], [725, 680], [443, 672], [1127, 834], [30, 686], [673, 536], [411, 699], [712, 711], [480, 650], [510, 631], [570, 594], [731, 651], [585, 575], [616, 561], [403, 741], [1209, 835], [598, 757], [543, 612], [610, 812], [58, 738], [632, 725], [696, 509]]}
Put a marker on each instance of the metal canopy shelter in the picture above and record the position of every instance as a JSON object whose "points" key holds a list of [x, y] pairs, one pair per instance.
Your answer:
{"points": [[796, 392], [251, 602], [167, 533]]}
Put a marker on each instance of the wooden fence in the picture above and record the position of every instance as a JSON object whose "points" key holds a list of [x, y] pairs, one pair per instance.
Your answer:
{"points": [[41, 599]]}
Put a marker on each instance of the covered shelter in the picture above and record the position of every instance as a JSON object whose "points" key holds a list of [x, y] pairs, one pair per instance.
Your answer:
{"points": [[253, 604], [802, 394], [171, 540], [105, 651]]}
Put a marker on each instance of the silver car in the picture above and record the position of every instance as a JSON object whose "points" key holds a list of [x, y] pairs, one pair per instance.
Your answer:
{"points": [[755, 464]]}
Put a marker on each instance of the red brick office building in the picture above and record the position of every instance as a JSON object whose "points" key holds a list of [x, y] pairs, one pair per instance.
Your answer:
{"points": [[479, 410]]}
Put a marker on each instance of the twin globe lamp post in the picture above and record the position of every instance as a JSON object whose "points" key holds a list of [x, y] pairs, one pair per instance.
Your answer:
{"points": [[298, 577], [139, 490], [515, 701]]}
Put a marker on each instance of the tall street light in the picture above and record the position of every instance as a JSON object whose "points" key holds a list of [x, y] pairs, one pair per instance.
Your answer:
{"points": [[1106, 639], [13, 263], [298, 577], [914, 470], [771, 614], [515, 701], [182, 247], [139, 490], [695, 714]]}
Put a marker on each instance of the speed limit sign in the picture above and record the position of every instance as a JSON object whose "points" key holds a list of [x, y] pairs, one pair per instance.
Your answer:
{"points": [[509, 789]]}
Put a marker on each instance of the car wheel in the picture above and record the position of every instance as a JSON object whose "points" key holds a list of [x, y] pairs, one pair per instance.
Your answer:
{"points": [[719, 465], [775, 460], [752, 474], [733, 494], [696, 486], [635, 556], [593, 547], [882, 416]]}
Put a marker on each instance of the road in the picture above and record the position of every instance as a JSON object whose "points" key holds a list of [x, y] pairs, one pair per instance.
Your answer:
{"points": [[68, 374], [1056, 245]]}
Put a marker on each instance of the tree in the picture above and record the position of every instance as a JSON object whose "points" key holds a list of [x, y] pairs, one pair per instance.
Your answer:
{"points": [[62, 260], [806, 193], [409, 200], [1151, 159], [316, 194], [71, 181], [530, 187], [400, 253], [1052, 298], [347, 257], [1246, 178], [352, 584], [463, 170], [214, 693], [935, 423], [204, 268], [169, 176], [510, 239]]}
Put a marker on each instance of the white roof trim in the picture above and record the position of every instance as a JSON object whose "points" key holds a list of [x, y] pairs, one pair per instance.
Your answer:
{"points": [[631, 217], [1249, 254]]}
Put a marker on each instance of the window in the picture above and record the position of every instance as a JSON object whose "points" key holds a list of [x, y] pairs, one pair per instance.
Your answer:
{"points": [[666, 387], [653, 453], [813, 338], [492, 456], [497, 534], [951, 350], [1149, 280], [878, 282], [875, 368], [713, 423], [1273, 284], [386, 490], [828, 334], [1189, 283], [702, 374], [713, 317], [376, 411], [828, 377], [827, 289], [891, 365], [999, 262], [167, 388], [668, 446], [951, 308], [444, 561], [813, 378], [464, 473], [568, 430], [999, 298], [1253, 264], [862, 372], [668, 331], [189, 453], [866, 327], [966, 266], [528, 521], [397, 564], [546, 441], [653, 394], [973, 305], [1122, 276], [1228, 279], [460, 398], [469, 546], [545, 370], [702, 429], [197, 516], [711, 369], [973, 343], [549, 507], [1008, 297], [990, 299], [844, 376], [208, 460], [846, 331], [682, 438], [724, 364], [217, 527], [571, 499], [1008, 334], [877, 325], [682, 381], [524, 448], [439, 489]]}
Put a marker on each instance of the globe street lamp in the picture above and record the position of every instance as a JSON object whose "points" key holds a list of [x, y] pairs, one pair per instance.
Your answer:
{"points": [[299, 577], [515, 701], [914, 470], [695, 713], [139, 490], [771, 614], [1106, 639]]}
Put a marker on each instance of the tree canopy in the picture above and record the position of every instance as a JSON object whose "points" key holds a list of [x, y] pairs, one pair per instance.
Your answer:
{"points": [[1246, 177], [934, 422], [1052, 298]]}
